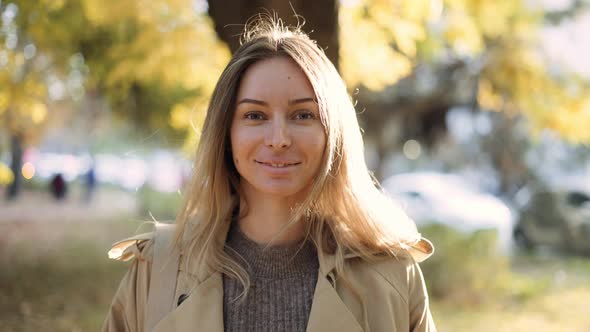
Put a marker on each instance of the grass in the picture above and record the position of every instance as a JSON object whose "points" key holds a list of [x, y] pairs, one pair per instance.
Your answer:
{"points": [[65, 291], [63, 284], [159, 205], [563, 310], [544, 293], [473, 288]]}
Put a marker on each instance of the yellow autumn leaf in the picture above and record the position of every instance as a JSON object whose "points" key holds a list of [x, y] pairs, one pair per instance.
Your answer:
{"points": [[38, 112], [462, 34], [107, 11], [419, 10], [406, 34], [4, 101], [365, 54], [179, 116], [487, 98], [6, 175]]}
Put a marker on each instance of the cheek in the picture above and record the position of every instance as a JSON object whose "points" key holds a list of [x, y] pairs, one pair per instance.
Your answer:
{"points": [[235, 147], [316, 145], [240, 144], [318, 148]]}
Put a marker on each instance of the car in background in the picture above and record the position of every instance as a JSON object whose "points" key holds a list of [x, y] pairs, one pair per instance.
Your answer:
{"points": [[449, 199], [556, 217]]}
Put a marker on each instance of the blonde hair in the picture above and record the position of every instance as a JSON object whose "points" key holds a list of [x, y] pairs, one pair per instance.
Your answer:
{"points": [[345, 212]]}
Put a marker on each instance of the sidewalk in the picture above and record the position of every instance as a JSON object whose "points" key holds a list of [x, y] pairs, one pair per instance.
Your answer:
{"points": [[33, 206], [40, 224]]}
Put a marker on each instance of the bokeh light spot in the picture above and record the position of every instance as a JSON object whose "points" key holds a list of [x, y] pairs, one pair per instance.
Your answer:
{"points": [[28, 171], [412, 149]]}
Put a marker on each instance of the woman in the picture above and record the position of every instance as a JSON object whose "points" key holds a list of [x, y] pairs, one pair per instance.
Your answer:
{"points": [[283, 228]]}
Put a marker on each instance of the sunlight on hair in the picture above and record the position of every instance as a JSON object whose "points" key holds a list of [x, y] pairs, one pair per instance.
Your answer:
{"points": [[268, 25]]}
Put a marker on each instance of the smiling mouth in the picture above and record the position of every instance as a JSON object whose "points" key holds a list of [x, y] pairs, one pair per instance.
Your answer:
{"points": [[277, 165]]}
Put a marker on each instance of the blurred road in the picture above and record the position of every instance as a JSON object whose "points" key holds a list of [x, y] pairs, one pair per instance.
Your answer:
{"points": [[41, 224], [34, 206]]}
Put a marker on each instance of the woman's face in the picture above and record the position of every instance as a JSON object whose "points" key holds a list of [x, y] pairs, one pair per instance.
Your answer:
{"points": [[277, 137]]}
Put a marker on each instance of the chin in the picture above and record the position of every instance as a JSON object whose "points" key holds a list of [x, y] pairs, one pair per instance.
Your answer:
{"points": [[280, 190]]}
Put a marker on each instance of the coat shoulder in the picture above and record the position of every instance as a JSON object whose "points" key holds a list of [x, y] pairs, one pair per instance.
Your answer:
{"points": [[402, 272], [396, 273], [395, 270], [139, 246], [127, 312]]}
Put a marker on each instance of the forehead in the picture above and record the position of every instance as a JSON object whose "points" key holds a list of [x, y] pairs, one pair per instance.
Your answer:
{"points": [[275, 79]]}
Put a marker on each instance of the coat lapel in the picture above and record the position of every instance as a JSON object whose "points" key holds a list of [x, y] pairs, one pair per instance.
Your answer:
{"points": [[328, 312], [201, 311]]}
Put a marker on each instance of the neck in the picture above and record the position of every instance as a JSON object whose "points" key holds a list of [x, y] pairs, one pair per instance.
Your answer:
{"points": [[266, 221]]}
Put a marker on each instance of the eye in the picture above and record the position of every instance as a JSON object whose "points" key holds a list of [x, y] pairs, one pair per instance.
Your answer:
{"points": [[254, 116], [305, 115]]}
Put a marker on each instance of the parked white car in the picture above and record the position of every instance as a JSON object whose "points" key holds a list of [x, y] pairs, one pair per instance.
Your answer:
{"points": [[430, 197]]}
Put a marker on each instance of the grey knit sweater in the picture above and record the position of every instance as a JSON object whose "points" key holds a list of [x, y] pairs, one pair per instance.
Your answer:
{"points": [[283, 280]]}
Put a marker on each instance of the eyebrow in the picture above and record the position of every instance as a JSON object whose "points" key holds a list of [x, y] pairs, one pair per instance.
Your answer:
{"points": [[301, 100], [263, 103]]}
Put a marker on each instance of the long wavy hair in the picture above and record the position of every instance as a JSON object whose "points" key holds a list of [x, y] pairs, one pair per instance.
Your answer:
{"points": [[345, 211]]}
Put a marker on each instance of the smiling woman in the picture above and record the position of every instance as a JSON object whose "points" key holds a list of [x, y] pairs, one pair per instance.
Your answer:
{"points": [[277, 142], [283, 228]]}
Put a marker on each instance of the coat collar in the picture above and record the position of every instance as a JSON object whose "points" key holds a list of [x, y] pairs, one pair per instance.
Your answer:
{"points": [[420, 250], [203, 309]]}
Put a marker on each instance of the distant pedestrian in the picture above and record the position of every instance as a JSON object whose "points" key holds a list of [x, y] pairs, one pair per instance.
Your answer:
{"points": [[89, 184], [58, 187]]}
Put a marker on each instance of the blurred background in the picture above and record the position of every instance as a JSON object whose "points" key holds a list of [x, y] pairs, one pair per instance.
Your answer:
{"points": [[476, 117]]}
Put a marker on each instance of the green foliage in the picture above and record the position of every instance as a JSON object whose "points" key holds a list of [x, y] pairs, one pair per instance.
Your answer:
{"points": [[146, 59], [65, 289], [464, 265], [467, 269], [383, 41], [162, 206]]}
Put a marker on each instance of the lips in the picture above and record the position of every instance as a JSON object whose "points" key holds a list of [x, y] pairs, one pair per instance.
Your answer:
{"points": [[278, 164]]}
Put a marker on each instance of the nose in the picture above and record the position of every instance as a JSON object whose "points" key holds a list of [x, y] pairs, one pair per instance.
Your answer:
{"points": [[278, 136]]}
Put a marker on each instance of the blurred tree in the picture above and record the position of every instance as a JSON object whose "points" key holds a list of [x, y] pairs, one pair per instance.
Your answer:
{"points": [[154, 62], [574, 8], [414, 60], [22, 91]]}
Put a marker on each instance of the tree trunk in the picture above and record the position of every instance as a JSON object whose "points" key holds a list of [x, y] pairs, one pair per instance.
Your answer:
{"points": [[320, 17], [15, 165]]}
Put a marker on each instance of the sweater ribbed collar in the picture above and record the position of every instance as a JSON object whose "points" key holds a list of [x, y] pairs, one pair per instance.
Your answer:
{"points": [[275, 262]]}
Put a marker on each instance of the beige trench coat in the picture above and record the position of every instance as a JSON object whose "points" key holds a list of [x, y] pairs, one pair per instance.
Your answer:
{"points": [[395, 297]]}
